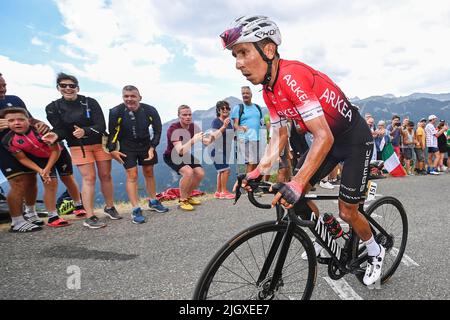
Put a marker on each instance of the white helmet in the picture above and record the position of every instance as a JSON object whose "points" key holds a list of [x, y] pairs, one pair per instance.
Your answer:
{"points": [[251, 29]]}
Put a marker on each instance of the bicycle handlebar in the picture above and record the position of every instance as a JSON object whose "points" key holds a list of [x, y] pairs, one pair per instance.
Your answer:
{"points": [[268, 188]]}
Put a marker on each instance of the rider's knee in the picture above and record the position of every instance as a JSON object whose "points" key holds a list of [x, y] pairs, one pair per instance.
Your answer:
{"points": [[348, 212]]}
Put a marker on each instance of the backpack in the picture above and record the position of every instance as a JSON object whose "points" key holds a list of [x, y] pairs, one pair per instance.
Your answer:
{"points": [[241, 112], [65, 204], [114, 145]]}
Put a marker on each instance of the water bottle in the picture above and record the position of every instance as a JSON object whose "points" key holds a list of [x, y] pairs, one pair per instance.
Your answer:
{"points": [[333, 226]]}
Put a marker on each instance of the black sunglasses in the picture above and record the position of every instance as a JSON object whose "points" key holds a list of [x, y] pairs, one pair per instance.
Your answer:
{"points": [[65, 85]]}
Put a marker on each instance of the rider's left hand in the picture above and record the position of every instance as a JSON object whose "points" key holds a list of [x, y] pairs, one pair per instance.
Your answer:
{"points": [[289, 194]]}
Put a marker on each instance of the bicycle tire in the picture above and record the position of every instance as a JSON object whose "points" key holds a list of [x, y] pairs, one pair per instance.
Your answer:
{"points": [[238, 263], [381, 210]]}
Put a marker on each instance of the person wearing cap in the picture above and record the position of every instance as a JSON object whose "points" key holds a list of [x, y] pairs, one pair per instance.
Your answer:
{"points": [[448, 149], [419, 148], [431, 138]]}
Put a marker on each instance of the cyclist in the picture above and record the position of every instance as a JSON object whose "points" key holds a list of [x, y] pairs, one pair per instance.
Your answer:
{"points": [[292, 89]]}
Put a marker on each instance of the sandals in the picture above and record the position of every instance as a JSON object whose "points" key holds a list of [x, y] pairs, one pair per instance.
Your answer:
{"points": [[57, 223]]}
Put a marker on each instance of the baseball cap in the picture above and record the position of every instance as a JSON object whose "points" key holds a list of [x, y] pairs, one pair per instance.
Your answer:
{"points": [[423, 120], [431, 117]]}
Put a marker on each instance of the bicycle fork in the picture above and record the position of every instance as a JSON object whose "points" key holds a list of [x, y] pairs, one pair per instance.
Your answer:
{"points": [[280, 245]]}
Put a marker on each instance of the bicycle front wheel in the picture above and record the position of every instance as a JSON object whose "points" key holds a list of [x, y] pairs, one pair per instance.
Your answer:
{"points": [[390, 216], [243, 268]]}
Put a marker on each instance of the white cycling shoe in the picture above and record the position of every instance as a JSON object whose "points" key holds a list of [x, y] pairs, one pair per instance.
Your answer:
{"points": [[317, 248], [374, 266]]}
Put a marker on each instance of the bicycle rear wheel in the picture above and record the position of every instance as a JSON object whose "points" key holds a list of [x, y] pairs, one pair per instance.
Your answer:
{"points": [[233, 272], [389, 214]]}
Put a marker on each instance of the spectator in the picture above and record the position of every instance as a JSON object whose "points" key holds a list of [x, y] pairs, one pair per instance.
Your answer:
{"points": [[79, 120], [181, 136], [420, 147], [381, 139], [448, 149], [222, 139], [129, 125], [246, 119], [25, 144], [409, 141], [432, 145], [283, 167], [442, 145], [22, 180], [394, 130]]}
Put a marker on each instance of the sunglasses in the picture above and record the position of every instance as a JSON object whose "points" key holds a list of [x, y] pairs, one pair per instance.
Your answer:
{"points": [[230, 36], [225, 108], [65, 85]]}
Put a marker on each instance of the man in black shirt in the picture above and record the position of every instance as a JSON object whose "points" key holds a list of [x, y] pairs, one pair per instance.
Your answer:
{"points": [[130, 144]]}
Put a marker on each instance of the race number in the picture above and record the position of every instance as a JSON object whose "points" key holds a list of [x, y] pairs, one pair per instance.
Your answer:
{"points": [[371, 191]]}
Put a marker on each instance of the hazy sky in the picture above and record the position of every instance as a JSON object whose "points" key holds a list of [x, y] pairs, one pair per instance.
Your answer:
{"points": [[172, 52]]}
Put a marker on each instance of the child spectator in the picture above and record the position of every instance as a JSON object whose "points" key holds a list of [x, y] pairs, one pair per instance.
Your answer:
{"points": [[25, 143]]}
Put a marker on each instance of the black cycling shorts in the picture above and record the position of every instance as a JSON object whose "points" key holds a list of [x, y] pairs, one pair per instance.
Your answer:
{"points": [[135, 158], [355, 151], [63, 167], [10, 166]]}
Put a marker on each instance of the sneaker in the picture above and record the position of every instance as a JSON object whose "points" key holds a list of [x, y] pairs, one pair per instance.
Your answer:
{"points": [[434, 172], [155, 205], [194, 202], [94, 223], [185, 205], [373, 269], [326, 185], [218, 195], [34, 219], [227, 195], [112, 213], [25, 227], [137, 217], [317, 248]]}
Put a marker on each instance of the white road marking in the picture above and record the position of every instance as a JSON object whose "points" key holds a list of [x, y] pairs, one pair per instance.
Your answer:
{"points": [[406, 260], [343, 289]]}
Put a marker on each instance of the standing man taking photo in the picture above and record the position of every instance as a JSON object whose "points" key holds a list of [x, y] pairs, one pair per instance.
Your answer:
{"points": [[130, 144]]}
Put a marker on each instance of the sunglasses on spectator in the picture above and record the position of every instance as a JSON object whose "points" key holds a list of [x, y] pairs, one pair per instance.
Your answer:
{"points": [[65, 85], [225, 108]]}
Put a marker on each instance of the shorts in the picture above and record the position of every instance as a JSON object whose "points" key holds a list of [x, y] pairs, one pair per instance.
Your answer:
{"points": [[407, 153], [420, 154], [433, 150], [248, 152], [63, 167], [176, 166], [135, 158], [443, 148], [10, 166], [92, 153], [219, 160], [356, 158]]}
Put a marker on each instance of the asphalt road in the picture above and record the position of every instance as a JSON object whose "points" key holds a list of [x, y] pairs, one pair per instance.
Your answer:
{"points": [[163, 258]]}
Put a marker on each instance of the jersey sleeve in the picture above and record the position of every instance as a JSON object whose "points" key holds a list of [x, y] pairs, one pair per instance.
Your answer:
{"points": [[297, 86]]}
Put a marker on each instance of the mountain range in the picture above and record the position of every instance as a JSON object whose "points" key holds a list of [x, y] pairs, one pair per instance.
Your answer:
{"points": [[415, 106]]}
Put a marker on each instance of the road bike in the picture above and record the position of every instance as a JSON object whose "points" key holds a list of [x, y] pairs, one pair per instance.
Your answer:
{"points": [[276, 259]]}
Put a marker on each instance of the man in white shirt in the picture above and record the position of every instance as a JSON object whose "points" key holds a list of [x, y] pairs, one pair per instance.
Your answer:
{"points": [[431, 134]]}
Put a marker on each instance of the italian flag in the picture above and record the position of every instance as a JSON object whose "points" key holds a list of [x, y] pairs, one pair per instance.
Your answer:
{"points": [[391, 162]]}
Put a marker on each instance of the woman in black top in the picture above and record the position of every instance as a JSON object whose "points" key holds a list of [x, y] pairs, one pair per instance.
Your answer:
{"points": [[79, 120]]}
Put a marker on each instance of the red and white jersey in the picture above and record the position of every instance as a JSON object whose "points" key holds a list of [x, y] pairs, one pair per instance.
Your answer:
{"points": [[302, 93]]}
